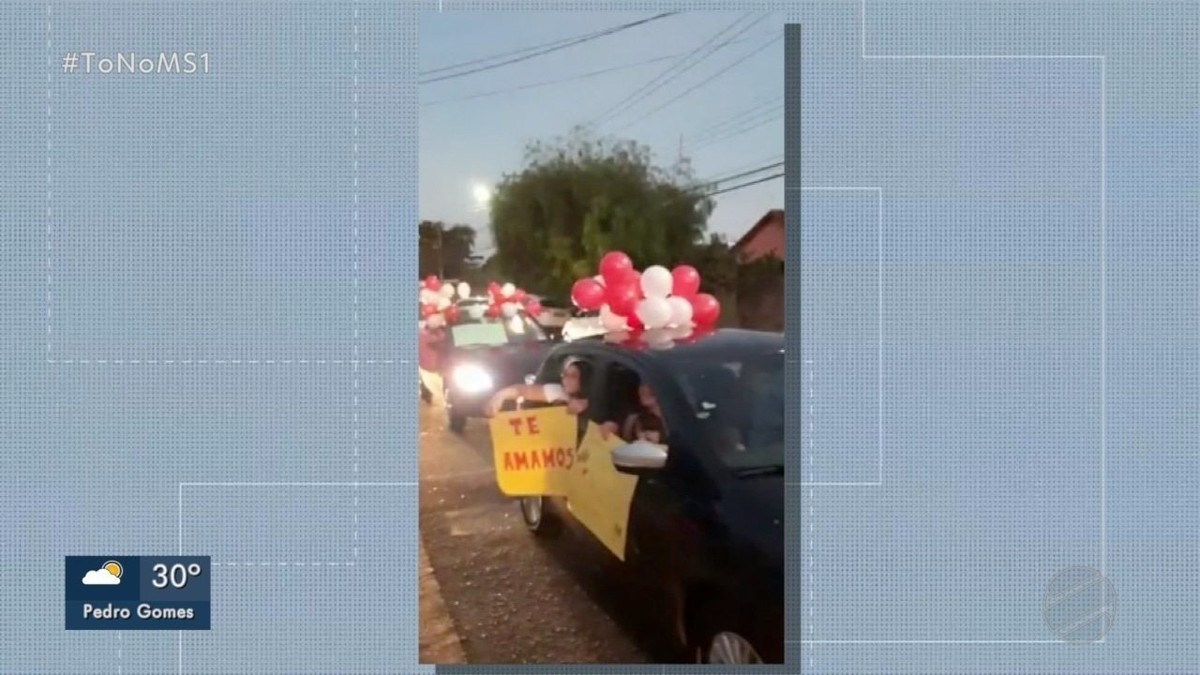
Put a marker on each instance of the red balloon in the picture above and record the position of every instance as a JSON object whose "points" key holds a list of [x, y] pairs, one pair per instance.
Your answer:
{"points": [[634, 323], [623, 298], [428, 311], [613, 264], [493, 311], [432, 283], [705, 310], [451, 314], [493, 288], [533, 308], [519, 295], [686, 281], [631, 276], [587, 294]]}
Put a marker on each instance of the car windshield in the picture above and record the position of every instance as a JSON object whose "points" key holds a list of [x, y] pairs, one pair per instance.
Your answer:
{"points": [[739, 403], [498, 331]]}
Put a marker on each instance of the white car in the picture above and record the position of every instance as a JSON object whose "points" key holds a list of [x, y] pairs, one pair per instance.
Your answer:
{"points": [[584, 324], [554, 315]]}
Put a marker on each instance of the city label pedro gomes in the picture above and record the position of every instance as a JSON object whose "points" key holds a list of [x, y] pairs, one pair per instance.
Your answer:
{"points": [[539, 453], [138, 593]]}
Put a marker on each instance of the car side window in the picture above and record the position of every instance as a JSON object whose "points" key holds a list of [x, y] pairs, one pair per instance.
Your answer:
{"points": [[617, 398], [551, 370]]}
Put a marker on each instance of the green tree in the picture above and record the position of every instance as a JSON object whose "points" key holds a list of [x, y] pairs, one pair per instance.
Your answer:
{"points": [[717, 265], [445, 251], [579, 197]]}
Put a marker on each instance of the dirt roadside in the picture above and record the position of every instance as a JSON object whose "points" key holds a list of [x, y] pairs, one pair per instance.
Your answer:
{"points": [[439, 641]]}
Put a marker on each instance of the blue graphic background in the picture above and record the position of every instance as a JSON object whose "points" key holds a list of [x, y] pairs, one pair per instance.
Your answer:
{"points": [[180, 371], [189, 299], [999, 335]]}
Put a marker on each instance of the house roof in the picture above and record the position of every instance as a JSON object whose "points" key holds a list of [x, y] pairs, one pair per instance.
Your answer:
{"points": [[774, 215]]}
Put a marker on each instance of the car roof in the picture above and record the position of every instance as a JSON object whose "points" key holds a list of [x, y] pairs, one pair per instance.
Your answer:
{"points": [[715, 345]]}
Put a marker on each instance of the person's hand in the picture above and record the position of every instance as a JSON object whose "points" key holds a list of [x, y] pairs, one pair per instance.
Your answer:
{"points": [[493, 405], [576, 406], [607, 430]]}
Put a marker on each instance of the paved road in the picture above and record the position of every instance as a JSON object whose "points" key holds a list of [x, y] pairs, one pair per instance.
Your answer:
{"points": [[511, 598]]}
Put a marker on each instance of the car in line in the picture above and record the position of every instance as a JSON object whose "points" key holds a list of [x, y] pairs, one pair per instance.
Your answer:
{"points": [[554, 315], [582, 324], [480, 355], [705, 527]]}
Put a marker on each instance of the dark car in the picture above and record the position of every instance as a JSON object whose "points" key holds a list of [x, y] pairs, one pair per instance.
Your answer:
{"points": [[705, 542], [481, 355]]}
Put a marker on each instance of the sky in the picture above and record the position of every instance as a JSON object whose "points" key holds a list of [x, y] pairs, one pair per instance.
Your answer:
{"points": [[471, 135]]}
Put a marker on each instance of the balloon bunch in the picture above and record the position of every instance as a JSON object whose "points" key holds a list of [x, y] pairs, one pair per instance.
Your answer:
{"points": [[437, 301], [655, 298], [507, 300]]}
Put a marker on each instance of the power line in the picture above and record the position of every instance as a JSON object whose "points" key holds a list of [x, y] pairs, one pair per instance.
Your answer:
{"points": [[743, 174], [508, 54], [734, 133], [547, 83], [714, 76], [759, 163], [711, 52], [564, 80], [738, 118], [554, 47], [732, 188], [766, 117], [624, 103], [707, 186]]}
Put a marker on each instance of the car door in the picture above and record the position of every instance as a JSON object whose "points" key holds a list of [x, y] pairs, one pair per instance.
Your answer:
{"points": [[669, 515], [600, 496]]}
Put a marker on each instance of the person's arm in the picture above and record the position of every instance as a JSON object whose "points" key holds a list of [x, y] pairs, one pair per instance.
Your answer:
{"points": [[608, 430], [628, 429], [547, 393], [622, 430]]}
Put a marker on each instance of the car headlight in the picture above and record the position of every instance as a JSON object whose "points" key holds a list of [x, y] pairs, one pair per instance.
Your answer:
{"points": [[472, 379]]}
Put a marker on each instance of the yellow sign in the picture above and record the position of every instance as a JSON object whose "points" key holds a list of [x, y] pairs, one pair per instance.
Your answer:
{"points": [[534, 451], [536, 454]]}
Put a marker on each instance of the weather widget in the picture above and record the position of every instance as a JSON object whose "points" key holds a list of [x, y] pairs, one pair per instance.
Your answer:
{"points": [[138, 593]]}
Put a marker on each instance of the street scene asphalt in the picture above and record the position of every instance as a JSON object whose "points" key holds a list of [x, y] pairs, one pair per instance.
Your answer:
{"points": [[510, 598]]}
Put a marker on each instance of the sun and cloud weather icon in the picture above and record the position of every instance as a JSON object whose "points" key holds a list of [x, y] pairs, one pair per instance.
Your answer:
{"points": [[109, 574]]}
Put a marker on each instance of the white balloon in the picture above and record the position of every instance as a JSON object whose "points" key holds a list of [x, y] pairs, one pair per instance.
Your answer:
{"points": [[435, 321], [681, 311], [654, 312], [428, 297], [659, 338], [509, 309], [656, 282], [447, 290], [680, 332], [443, 303], [507, 290], [464, 289], [612, 322]]}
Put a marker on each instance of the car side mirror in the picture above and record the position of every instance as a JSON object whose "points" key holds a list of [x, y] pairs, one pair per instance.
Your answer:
{"points": [[639, 457], [530, 379]]}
